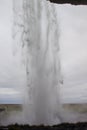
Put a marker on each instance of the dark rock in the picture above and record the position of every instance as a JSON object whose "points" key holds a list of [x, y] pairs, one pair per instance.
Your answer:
{"points": [[2, 109], [74, 2]]}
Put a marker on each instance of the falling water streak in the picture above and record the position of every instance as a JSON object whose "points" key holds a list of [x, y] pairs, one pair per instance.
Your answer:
{"points": [[37, 27]]}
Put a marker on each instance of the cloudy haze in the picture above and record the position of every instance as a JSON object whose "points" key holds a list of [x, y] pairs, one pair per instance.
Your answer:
{"points": [[73, 52]]}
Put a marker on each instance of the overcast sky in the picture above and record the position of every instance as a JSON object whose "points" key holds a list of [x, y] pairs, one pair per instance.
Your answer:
{"points": [[73, 51], [11, 70]]}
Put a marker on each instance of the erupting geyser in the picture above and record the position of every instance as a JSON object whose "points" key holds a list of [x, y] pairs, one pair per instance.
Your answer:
{"points": [[35, 24]]}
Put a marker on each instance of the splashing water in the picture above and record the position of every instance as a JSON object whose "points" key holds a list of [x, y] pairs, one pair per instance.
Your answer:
{"points": [[39, 35]]}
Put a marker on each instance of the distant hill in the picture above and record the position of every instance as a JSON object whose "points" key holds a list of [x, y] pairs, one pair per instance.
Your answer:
{"points": [[10, 107], [81, 108]]}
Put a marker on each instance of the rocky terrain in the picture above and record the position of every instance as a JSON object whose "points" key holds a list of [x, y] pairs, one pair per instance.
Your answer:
{"points": [[65, 126]]}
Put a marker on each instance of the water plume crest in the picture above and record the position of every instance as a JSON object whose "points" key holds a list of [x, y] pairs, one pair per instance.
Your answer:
{"points": [[36, 31]]}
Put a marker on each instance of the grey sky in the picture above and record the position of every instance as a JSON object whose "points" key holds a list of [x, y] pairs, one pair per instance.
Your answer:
{"points": [[11, 70], [73, 51]]}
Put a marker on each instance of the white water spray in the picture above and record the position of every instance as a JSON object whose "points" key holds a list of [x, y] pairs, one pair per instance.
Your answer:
{"points": [[39, 35]]}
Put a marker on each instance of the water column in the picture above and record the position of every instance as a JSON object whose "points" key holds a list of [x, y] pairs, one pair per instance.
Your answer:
{"points": [[38, 36]]}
